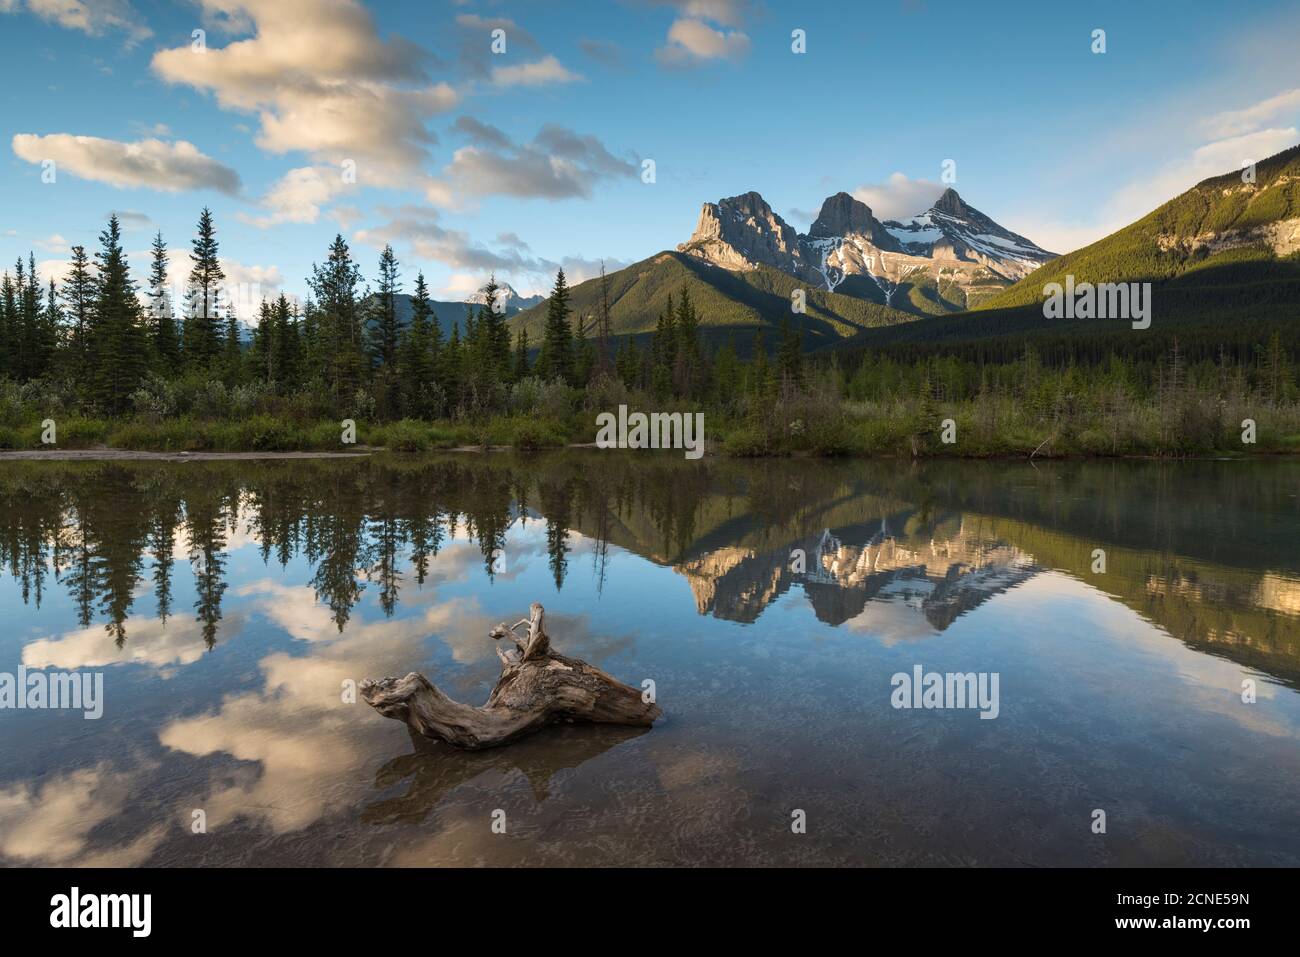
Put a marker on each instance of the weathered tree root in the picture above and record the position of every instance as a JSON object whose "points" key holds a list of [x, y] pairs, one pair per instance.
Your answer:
{"points": [[537, 687]]}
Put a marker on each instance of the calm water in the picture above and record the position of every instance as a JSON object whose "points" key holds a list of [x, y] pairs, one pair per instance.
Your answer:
{"points": [[226, 604]]}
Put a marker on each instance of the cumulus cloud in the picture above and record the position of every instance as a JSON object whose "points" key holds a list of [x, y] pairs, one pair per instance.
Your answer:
{"points": [[149, 163], [54, 243], [539, 73], [729, 13], [474, 36], [418, 230], [258, 281], [92, 17], [694, 41], [899, 196], [557, 164], [297, 197], [320, 80]]}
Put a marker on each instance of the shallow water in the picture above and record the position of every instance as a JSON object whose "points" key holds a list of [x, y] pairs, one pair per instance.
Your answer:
{"points": [[227, 604]]}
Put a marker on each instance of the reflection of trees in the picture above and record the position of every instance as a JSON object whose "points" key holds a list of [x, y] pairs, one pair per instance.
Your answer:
{"points": [[206, 527], [88, 527]]}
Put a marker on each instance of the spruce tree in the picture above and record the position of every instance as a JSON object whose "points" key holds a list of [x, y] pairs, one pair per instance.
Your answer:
{"points": [[166, 341], [415, 360], [203, 332], [383, 330], [335, 287], [556, 358], [115, 340], [78, 295], [8, 327], [790, 353], [285, 347], [521, 355]]}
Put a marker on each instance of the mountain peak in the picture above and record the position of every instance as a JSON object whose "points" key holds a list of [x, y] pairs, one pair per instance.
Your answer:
{"points": [[951, 204], [841, 215]]}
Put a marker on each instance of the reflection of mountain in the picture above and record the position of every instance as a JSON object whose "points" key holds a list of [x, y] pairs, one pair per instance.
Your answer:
{"points": [[940, 579], [1204, 550]]}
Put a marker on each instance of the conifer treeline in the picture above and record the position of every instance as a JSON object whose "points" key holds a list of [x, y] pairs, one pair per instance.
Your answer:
{"points": [[346, 342], [348, 351]]}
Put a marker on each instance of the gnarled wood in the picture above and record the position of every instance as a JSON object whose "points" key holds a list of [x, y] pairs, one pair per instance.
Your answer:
{"points": [[537, 687]]}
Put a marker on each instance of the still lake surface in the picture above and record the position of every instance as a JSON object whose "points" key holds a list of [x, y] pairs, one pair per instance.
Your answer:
{"points": [[227, 603]]}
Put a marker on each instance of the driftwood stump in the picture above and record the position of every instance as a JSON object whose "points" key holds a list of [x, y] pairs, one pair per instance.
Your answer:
{"points": [[537, 687]]}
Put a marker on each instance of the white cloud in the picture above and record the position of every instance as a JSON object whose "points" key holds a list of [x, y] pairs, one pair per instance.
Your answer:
{"points": [[1138, 197], [92, 17], [297, 197], [54, 243], [1213, 159], [1237, 122], [543, 71], [416, 228], [557, 164], [150, 163], [247, 285], [899, 196], [693, 41], [729, 13], [320, 80]]}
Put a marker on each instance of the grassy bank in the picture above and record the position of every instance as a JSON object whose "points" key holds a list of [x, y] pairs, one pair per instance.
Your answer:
{"points": [[807, 426]]}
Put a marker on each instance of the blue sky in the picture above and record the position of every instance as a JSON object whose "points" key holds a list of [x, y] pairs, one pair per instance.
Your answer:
{"points": [[468, 160]]}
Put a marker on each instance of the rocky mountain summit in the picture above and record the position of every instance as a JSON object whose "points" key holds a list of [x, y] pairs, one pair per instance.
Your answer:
{"points": [[944, 259]]}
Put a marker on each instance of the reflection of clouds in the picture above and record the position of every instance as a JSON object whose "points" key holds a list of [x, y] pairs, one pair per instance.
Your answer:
{"points": [[293, 607], [892, 621], [149, 641], [1210, 684], [308, 742], [50, 824]]}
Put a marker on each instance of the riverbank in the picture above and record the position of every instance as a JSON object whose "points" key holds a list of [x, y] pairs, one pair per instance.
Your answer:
{"points": [[963, 431]]}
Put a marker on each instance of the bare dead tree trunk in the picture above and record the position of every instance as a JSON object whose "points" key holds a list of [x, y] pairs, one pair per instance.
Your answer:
{"points": [[537, 687]]}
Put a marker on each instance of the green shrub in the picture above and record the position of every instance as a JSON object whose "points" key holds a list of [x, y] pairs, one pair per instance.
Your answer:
{"points": [[746, 442]]}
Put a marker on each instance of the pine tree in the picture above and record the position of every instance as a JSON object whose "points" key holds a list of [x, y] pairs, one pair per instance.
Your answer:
{"points": [[383, 335], [415, 361], [166, 341], [521, 355], [116, 342], [202, 331], [493, 335], [584, 354], [451, 370], [232, 354], [335, 287], [51, 328], [760, 380], [8, 327], [603, 359], [78, 295], [261, 351], [286, 348], [383, 331], [663, 352], [790, 353], [556, 358], [687, 362]]}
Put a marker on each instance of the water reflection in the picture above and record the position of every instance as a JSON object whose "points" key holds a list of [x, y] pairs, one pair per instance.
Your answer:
{"points": [[234, 599]]}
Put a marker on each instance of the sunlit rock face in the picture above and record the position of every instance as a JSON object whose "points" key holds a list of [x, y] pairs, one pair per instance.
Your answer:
{"points": [[957, 253], [939, 579]]}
